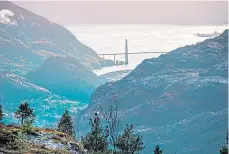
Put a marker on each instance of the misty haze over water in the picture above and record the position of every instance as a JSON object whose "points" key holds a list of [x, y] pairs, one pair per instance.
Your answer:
{"points": [[141, 38]]}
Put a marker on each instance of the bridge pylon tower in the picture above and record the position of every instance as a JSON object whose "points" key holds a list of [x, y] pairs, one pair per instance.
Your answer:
{"points": [[126, 52]]}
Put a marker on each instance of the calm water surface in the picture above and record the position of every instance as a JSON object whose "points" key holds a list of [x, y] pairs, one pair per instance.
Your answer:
{"points": [[141, 38]]}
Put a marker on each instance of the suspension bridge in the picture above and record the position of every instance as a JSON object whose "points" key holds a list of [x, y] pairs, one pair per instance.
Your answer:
{"points": [[126, 53]]}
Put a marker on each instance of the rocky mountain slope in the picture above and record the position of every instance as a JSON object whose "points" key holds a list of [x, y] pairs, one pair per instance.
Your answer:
{"points": [[178, 100], [16, 88], [66, 77], [43, 63], [25, 36]]}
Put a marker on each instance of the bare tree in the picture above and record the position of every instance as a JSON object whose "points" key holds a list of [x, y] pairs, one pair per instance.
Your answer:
{"points": [[112, 120]]}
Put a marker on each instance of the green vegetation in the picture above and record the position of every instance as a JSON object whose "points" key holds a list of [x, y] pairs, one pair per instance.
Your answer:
{"points": [[99, 140], [224, 149], [20, 139], [157, 150], [12, 140], [66, 125], [27, 127], [96, 140], [113, 123], [128, 142], [25, 113], [1, 113]]}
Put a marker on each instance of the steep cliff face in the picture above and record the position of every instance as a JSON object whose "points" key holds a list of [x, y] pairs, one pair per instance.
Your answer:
{"points": [[32, 38], [178, 100]]}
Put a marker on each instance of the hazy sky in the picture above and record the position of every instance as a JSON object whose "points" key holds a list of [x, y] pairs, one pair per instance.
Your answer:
{"points": [[131, 12]]}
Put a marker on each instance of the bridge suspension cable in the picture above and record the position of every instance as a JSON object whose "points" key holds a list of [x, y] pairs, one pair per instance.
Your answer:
{"points": [[126, 53]]}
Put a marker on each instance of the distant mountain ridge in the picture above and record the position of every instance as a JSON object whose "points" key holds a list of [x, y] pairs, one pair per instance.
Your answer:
{"points": [[43, 63], [38, 38], [29, 42], [178, 100]]}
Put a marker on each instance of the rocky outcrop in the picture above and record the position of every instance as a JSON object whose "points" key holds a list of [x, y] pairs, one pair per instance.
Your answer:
{"points": [[13, 140], [178, 100]]}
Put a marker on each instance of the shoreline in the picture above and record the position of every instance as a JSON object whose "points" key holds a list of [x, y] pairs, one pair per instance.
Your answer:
{"points": [[113, 69]]}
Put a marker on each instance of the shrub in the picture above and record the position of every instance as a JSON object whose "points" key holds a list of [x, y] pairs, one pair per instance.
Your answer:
{"points": [[27, 127], [12, 141]]}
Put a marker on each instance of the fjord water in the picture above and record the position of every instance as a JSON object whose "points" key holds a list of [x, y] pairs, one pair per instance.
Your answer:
{"points": [[141, 38]]}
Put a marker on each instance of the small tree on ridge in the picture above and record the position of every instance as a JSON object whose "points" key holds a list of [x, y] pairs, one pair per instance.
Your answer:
{"points": [[224, 149], [66, 125], [96, 140], [24, 112], [157, 150], [128, 142]]}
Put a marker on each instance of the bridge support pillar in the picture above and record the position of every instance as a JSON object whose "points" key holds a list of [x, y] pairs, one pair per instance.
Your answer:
{"points": [[114, 58], [126, 52]]}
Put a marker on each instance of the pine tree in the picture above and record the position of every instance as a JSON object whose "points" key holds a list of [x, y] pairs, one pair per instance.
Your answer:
{"points": [[96, 140], [128, 142], [157, 150], [24, 112], [224, 149], [66, 125], [1, 113]]}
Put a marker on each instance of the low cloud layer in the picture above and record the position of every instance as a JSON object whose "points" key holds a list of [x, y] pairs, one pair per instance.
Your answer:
{"points": [[5, 16]]}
